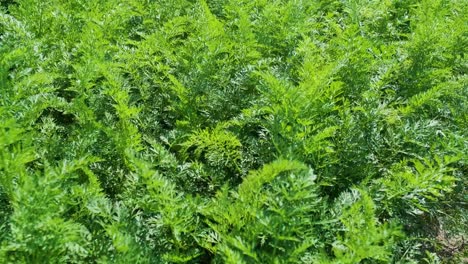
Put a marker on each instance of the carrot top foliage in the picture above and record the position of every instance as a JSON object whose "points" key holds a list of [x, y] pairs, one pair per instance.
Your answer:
{"points": [[222, 131]]}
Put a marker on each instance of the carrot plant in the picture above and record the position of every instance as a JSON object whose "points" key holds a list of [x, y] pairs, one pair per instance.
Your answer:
{"points": [[222, 131]]}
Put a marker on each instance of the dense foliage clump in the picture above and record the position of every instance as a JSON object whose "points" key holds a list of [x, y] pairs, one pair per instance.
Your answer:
{"points": [[232, 131]]}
